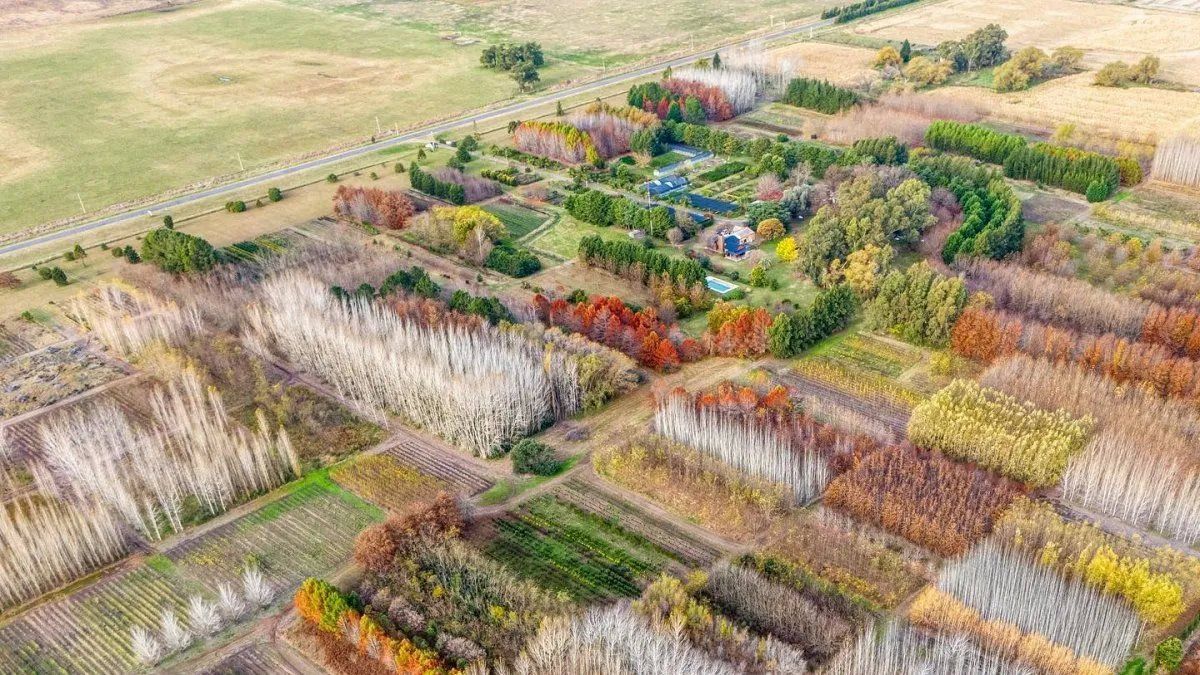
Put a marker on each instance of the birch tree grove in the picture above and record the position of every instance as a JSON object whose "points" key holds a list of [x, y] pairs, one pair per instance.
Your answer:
{"points": [[755, 448], [740, 88], [192, 449], [1006, 585], [473, 384], [1177, 160], [127, 319], [46, 543]]}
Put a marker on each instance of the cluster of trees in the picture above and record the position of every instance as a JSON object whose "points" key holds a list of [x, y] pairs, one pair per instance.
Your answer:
{"points": [[512, 260], [1140, 466], [347, 636], [641, 335], [844, 13], [491, 309], [389, 209], [557, 140], [986, 334], [942, 613], [983, 48], [681, 101], [476, 385], [942, 505], [600, 208], [887, 150], [918, 305], [177, 252], [867, 210], [1019, 440], [737, 330], [1082, 171], [769, 154], [993, 225], [619, 256], [818, 95], [521, 61], [612, 129], [509, 176], [1148, 579], [1120, 74], [1031, 64], [792, 333], [1014, 587], [524, 157], [761, 435], [53, 273], [1088, 173], [1071, 303], [431, 185]]}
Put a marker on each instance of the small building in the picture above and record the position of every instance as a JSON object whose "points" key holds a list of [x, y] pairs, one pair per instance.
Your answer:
{"points": [[733, 242], [666, 185], [637, 235]]}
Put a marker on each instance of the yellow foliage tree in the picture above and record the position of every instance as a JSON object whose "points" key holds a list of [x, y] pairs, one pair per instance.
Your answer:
{"points": [[888, 56], [787, 251]]}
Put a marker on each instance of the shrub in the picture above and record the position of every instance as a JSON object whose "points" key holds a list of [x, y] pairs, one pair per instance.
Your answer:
{"points": [[331, 178], [513, 261], [236, 206], [177, 252], [274, 194], [529, 456], [1097, 191], [168, 222]]}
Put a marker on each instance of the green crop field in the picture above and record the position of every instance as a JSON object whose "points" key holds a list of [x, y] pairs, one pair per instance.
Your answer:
{"points": [[564, 548], [519, 220]]}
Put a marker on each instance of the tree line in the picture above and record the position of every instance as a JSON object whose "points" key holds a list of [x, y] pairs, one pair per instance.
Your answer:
{"points": [[992, 222], [845, 13], [617, 255], [792, 333], [1088, 173], [430, 185], [819, 95], [600, 208]]}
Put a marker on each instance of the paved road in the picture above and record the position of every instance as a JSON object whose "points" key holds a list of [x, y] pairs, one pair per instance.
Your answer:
{"points": [[422, 133]]}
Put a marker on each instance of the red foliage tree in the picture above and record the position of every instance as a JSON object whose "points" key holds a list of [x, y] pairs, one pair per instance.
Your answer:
{"points": [[611, 322], [382, 208]]}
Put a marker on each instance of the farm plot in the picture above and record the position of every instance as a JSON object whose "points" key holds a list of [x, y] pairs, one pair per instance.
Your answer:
{"points": [[859, 396], [385, 481], [42, 377], [88, 631], [564, 548], [875, 354], [519, 220], [253, 659], [662, 534], [20, 337], [306, 533], [426, 458]]}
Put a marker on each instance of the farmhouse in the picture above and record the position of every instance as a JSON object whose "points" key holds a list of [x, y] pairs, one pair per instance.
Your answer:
{"points": [[733, 243]]}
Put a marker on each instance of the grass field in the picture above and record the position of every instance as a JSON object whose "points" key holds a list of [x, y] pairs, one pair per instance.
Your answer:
{"points": [[519, 220], [111, 109], [133, 105]]}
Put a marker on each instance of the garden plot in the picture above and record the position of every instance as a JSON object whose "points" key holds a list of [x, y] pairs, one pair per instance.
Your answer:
{"points": [[40, 378], [428, 459], [567, 549], [874, 398], [21, 337], [876, 354], [306, 533], [88, 631], [663, 535], [253, 659], [385, 481]]}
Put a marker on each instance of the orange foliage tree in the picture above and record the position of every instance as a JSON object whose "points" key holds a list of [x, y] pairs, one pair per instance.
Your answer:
{"points": [[382, 208], [642, 335]]}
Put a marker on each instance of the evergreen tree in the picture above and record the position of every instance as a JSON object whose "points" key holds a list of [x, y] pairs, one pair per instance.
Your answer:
{"points": [[906, 51]]}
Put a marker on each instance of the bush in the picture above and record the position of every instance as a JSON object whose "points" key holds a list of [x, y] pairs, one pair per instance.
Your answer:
{"points": [[529, 456], [236, 206], [1169, 654], [168, 222], [131, 255], [176, 252], [1097, 191], [513, 261], [275, 194], [331, 178]]}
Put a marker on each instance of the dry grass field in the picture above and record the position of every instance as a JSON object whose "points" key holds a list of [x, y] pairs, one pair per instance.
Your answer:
{"points": [[1136, 113], [840, 64], [1105, 31]]}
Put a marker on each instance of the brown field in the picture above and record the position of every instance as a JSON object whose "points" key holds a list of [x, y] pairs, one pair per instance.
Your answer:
{"points": [[840, 64], [1106, 31], [1138, 113], [16, 14]]}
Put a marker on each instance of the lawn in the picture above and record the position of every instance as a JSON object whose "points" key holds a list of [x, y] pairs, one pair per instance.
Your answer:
{"points": [[519, 220], [666, 159], [561, 239]]}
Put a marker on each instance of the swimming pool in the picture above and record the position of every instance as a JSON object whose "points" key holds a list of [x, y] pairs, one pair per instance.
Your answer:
{"points": [[719, 286]]}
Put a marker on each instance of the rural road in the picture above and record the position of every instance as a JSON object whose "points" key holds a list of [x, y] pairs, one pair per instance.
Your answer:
{"points": [[408, 137]]}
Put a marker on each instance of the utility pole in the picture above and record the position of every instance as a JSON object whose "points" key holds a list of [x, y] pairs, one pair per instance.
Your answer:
{"points": [[82, 208], [378, 129], [240, 164]]}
